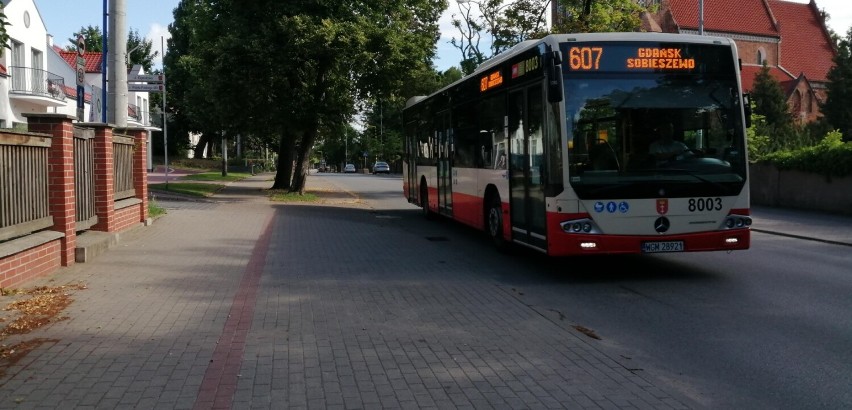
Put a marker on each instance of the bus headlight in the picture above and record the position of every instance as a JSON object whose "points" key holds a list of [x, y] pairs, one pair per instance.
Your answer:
{"points": [[584, 225], [737, 221]]}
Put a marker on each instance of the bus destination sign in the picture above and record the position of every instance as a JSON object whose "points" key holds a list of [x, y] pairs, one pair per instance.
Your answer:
{"points": [[595, 58], [490, 81]]}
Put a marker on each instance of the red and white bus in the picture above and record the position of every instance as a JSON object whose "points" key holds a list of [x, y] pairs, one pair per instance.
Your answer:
{"points": [[550, 145]]}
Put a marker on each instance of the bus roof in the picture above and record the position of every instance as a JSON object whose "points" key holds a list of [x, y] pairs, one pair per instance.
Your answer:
{"points": [[555, 39]]}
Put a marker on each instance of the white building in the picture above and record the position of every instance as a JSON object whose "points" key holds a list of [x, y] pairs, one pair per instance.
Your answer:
{"points": [[37, 76]]}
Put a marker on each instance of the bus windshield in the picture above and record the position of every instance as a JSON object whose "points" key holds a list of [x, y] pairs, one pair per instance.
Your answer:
{"points": [[633, 134]]}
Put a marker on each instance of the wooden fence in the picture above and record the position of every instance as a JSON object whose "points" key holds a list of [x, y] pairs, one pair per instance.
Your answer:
{"points": [[84, 183], [24, 204], [123, 167]]}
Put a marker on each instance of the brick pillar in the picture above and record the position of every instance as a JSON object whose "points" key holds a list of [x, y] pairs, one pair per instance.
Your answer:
{"points": [[140, 166], [104, 178], [61, 193]]}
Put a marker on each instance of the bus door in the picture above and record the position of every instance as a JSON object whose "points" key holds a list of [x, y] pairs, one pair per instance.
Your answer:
{"points": [[412, 149], [445, 159], [526, 167]]}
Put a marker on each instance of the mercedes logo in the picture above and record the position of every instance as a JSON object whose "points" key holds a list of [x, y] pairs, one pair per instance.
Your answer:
{"points": [[662, 224]]}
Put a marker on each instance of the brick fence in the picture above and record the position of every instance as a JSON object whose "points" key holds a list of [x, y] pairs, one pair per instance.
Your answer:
{"points": [[40, 252]]}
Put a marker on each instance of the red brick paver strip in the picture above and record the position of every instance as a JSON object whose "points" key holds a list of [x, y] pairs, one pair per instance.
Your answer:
{"points": [[220, 380]]}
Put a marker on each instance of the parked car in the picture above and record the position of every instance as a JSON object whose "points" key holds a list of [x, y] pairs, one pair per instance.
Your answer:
{"points": [[349, 169], [381, 167]]}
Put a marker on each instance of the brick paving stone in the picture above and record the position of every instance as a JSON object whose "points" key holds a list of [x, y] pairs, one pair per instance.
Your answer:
{"points": [[366, 322]]}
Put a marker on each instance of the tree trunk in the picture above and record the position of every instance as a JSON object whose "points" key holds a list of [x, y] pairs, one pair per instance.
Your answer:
{"points": [[303, 162], [198, 152], [286, 153]]}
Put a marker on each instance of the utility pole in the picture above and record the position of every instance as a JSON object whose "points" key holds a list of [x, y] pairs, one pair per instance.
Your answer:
{"points": [[105, 42], [117, 100]]}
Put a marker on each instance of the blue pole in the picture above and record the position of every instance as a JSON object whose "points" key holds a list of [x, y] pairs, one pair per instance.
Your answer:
{"points": [[104, 67]]}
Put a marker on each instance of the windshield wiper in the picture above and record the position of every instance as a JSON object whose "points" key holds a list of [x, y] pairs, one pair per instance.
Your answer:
{"points": [[683, 171]]}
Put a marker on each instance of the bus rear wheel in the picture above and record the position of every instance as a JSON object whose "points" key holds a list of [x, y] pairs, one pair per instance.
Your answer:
{"points": [[494, 223]]}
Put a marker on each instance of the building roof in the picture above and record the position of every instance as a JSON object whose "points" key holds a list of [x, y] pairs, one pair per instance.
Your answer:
{"points": [[93, 60], [806, 47], [731, 16], [784, 79]]}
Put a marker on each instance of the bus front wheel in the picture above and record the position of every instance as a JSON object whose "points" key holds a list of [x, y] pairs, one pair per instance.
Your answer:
{"points": [[494, 223], [424, 201]]}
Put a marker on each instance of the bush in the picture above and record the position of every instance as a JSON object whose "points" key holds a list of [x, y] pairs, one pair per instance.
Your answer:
{"points": [[831, 157]]}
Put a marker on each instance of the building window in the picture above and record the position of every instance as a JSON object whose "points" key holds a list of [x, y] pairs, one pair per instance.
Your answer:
{"points": [[761, 56]]}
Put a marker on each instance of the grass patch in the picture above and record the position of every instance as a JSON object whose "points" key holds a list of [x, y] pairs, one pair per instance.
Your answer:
{"points": [[188, 188], [216, 176], [284, 196], [155, 210]]}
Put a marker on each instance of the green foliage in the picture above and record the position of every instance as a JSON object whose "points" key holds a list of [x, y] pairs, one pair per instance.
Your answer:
{"points": [[831, 157], [284, 196], [293, 71], [140, 51], [4, 35], [154, 209], [92, 37], [140, 48], [507, 23], [217, 176], [770, 101], [758, 145], [601, 16], [195, 163], [201, 189], [837, 107]]}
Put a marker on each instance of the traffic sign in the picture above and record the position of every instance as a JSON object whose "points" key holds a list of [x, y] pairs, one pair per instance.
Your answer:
{"points": [[149, 78], [81, 45], [157, 88], [81, 96]]}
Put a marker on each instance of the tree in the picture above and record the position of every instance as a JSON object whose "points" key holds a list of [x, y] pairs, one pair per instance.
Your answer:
{"points": [[771, 103], [140, 51], [508, 24], [296, 70], [92, 37], [180, 68], [588, 16], [140, 48], [4, 35], [837, 107]]}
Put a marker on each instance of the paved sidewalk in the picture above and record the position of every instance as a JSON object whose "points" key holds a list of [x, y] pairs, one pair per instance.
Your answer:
{"points": [[817, 226], [230, 303]]}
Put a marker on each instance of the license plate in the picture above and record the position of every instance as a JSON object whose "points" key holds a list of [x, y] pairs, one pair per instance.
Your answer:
{"points": [[670, 246]]}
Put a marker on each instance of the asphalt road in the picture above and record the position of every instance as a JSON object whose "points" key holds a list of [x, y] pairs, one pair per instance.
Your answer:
{"points": [[766, 328]]}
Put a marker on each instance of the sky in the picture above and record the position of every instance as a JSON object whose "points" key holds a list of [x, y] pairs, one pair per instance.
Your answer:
{"points": [[151, 19]]}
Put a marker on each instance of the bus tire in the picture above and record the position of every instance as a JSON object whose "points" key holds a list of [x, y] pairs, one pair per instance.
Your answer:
{"points": [[494, 223], [424, 201]]}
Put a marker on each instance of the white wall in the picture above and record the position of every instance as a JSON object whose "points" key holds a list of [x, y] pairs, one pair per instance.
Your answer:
{"points": [[32, 37]]}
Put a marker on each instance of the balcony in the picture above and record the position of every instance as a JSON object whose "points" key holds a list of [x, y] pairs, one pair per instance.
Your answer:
{"points": [[37, 86], [137, 116]]}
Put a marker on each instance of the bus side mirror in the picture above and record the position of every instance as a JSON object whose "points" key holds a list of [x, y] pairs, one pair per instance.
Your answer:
{"points": [[554, 77], [747, 109]]}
